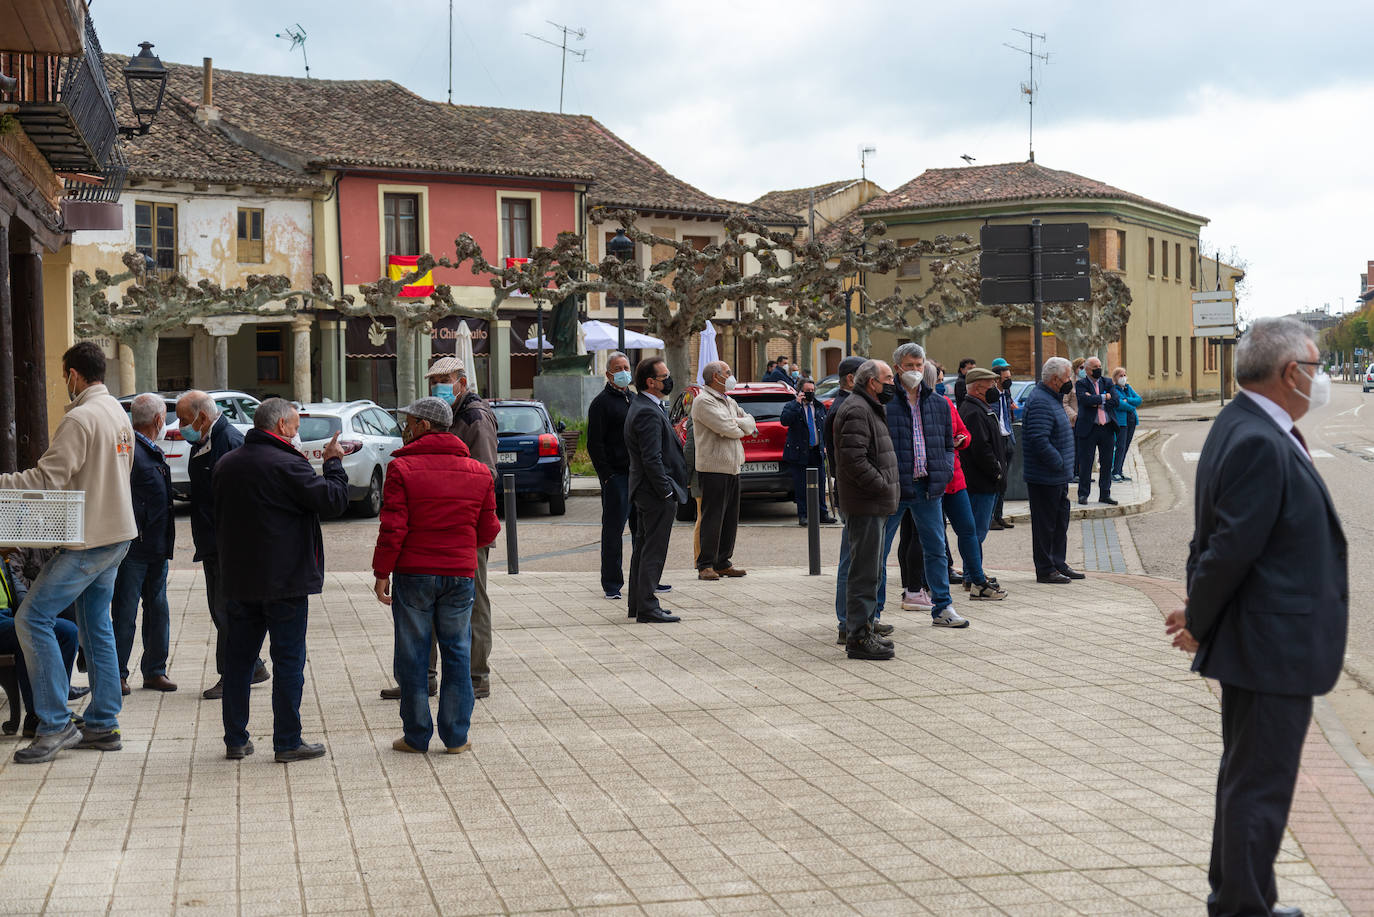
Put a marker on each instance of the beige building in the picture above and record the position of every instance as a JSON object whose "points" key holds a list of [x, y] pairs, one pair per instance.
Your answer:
{"points": [[1152, 246]]}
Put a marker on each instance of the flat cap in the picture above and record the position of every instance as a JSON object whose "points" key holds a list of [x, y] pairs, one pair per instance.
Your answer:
{"points": [[979, 374], [435, 410], [1000, 363], [849, 365], [445, 365]]}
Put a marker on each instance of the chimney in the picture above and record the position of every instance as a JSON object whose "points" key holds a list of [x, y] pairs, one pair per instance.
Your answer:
{"points": [[206, 111]]}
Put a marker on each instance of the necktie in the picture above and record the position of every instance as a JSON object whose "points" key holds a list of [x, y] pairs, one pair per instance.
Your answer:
{"points": [[811, 424], [1297, 434], [1101, 411]]}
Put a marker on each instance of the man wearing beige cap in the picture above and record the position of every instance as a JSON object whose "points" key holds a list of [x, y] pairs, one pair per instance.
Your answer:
{"points": [[475, 424]]}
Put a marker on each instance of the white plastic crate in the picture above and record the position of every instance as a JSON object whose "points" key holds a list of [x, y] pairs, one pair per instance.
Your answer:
{"points": [[42, 518]]}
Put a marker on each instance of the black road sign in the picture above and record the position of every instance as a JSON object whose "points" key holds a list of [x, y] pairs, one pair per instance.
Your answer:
{"points": [[1010, 268], [1054, 237], [1007, 265], [1018, 290]]}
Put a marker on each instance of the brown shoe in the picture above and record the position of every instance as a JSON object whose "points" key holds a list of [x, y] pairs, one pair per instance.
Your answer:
{"points": [[731, 571], [159, 683], [402, 745], [466, 746], [124, 687], [707, 574]]}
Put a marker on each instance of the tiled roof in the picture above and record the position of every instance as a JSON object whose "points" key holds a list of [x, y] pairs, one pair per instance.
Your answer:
{"points": [[1004, 182], [798, 199]]}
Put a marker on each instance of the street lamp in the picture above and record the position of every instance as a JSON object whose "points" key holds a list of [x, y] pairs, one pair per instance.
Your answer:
{"points": [[622, 247], [146, 80]]}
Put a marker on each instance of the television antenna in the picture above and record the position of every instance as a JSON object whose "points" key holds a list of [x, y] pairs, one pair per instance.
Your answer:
{"points": [[297, 38], [579, 34], [865, 151], [1030, 88]]}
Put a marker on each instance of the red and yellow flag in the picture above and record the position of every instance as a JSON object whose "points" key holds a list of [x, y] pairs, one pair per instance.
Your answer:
{"points": [[397, 266]]}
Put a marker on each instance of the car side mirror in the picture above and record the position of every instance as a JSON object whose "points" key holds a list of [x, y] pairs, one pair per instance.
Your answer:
{"points": [[560, 426]]}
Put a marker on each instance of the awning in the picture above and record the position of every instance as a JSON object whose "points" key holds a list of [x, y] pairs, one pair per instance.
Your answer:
{"points": [[366, 339]]}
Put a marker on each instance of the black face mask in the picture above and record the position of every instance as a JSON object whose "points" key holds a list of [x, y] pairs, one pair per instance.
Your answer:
{"points": [[992, 396], [810, 397], [1006, 385], [887, 394], [1066, 388], [1097, 373], [668, 386]]}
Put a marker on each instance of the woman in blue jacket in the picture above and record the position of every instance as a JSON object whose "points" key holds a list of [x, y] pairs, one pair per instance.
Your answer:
{"points": [[1127, 400]]}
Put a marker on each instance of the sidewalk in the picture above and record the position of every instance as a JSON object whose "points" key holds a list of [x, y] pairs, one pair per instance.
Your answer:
{"points": [[1132, 496], [1047, 760]]}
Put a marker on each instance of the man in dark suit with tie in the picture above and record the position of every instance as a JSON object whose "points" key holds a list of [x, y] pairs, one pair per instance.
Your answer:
{"points": [[1095, 431], [1267, 605], [658, 483], [804, 419]]}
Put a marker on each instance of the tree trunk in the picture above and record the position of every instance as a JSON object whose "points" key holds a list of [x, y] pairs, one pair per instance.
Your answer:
{"points": [[407, 333], [145, 362], [804, 354], [678, 356]]}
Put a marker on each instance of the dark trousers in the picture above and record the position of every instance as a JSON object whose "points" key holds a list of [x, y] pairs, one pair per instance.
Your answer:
{"points": [[865, 569], [798, 469], [219, 614], [1124, 435], [719, 519], [146, 580], [248, 624], [1007, 449], [1262, 737], [1049, 510], [616, 510], [911, 560], [653, 529], [1102, 441]]}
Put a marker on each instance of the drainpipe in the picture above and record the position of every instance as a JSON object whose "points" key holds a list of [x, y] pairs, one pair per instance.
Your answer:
{"points": [[339, 290]]}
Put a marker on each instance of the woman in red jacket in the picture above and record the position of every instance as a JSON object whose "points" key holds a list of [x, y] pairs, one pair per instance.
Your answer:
{"points": [[438, 508]]}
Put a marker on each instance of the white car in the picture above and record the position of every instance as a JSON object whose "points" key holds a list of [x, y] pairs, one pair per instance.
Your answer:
{"points": [[368, 435], [1368, 378], [237, 406]]}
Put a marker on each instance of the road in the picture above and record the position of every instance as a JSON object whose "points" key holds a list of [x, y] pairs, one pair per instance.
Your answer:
{"points": [[1341, 437]]}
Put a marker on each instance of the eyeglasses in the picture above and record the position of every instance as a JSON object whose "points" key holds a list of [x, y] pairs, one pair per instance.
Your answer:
{"points": [[1308, 362]]}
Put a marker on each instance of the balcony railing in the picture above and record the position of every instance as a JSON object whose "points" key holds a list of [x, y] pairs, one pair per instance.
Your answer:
{"points": [[65, 106], [104, 186]]}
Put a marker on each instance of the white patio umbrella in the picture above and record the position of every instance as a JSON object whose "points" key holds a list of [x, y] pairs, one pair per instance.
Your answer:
{"points": [[605, 336], [706, 352], [529, 342], [462, 349]]}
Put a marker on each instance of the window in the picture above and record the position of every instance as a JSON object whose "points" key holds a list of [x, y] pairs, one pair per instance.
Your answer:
{"points": [[230, 408], [401, 214], [1150, 256], [1178, 263], [271, 354], [1120, 250], [384, 422], [1209, 354], [1178, 355], [155, 233], [911, 268], [515, 227], [250, 236], [1151, 341], [1164, 262], [698, 243], [1164, 346], [1192, 267]]}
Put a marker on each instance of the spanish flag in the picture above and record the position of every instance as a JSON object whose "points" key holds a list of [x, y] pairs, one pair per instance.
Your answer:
{"points": [[397, 266]]}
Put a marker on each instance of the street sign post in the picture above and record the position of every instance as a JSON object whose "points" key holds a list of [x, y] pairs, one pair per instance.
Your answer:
{"points": [[1034, 264]]}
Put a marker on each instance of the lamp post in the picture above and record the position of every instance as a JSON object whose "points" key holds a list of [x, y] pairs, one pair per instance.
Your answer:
{"points": [[623, 248], [146, 80]]}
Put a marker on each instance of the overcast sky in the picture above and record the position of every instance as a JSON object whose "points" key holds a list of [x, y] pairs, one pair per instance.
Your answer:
{"points": [[1257, 115]]}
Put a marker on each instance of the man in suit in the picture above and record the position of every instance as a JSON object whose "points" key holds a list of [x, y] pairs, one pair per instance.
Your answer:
{"points": [[658, 483], [782, 372], [143, 572], [1095, 431], [804, 419], [1271, 629]]}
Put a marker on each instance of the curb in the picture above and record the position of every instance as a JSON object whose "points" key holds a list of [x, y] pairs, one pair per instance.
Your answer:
{"points": [[1104, 512]]}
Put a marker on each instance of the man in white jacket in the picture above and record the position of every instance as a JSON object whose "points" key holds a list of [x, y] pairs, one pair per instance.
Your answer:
{"points": [[719, 424], [92, 451]]}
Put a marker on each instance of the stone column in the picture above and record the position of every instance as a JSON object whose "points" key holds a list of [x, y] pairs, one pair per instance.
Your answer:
{"points": [[498, 352], [221, 360], [126, 368], [300, 359], [221, 329]]}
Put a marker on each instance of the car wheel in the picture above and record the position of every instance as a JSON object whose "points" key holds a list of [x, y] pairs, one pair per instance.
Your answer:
{"points": [[558, 503], [371, 503]]}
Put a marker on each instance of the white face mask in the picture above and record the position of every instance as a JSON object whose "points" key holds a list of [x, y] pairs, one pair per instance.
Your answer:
{"points": [[296, 443], [912, 381], [730, 383], [1320, 395]]}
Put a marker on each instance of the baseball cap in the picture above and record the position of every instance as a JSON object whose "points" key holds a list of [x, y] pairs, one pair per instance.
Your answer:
{"points": [[445, 365], [435, 410], [1000, 363]]}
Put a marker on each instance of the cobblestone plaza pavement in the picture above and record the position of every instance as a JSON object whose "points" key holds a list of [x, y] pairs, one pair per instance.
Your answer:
{"points": [[1047, 760]]}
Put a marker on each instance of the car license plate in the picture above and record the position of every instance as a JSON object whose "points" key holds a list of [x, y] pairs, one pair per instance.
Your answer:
{"points": [[507, 458], [759, 468]]}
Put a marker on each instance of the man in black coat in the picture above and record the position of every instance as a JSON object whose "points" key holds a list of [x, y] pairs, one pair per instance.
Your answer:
{"points": [[781, 372], [1095, 431], [211, 437], [961, 383], [1268, 602], [143, 572], [658, 483], [268, 505], [606, 446]]}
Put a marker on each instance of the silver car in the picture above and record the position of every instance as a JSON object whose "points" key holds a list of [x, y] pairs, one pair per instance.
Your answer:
{"points": [[238, 407], [368, 435]]}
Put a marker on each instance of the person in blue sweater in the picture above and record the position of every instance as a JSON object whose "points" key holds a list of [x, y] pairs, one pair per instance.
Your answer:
{"points": [[1126, 401]]}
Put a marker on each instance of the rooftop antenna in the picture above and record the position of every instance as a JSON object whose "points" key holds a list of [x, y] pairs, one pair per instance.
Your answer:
{"points": [[450, 52], [865, 150], [1029, 88], [297, 38], [579, 34]]}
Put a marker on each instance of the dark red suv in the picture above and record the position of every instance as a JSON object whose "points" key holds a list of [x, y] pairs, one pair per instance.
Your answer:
{"points": [[763, 473]]}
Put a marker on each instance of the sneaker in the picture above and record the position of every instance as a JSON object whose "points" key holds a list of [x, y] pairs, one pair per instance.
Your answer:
{"points": [[865, 645], [260, 674], [1126, 477], [988, 592], [302, 752], [614, 596], [662, 588], [912, 601], [948, 617], [481, 687], [968, 583], [45, 747], [239, 752], [101, 740], [1117, 479]]}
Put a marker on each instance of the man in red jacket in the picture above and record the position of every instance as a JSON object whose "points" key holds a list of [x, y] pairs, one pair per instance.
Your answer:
{"points": [[438, 508]]}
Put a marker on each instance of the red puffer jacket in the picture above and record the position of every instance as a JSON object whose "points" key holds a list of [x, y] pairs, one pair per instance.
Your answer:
{"points": [[438, 507], [957, 483]]}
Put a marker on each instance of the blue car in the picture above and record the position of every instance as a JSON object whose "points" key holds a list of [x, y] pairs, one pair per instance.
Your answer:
{"points": [[529, 447]]}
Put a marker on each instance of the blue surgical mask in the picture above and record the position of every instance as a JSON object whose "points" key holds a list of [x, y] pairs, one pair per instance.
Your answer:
{"points": [[622, 378], [442, 390], [940, 388], [190, 433]]}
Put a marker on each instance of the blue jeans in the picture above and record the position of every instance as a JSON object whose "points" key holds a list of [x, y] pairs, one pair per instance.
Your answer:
{"points": [[982, 506], [1124, 434], [930, 528], [422, 605], [84, 578], [9, 643], [147, 580], [960, 513], [616, 511], [249, 623]]}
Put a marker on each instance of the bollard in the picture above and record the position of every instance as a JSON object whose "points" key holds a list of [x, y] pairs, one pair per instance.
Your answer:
{"points": [[813, 520], [512, 541]]}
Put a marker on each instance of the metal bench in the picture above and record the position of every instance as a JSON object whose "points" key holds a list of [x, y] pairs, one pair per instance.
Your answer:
{"points": [[9, 680]]}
